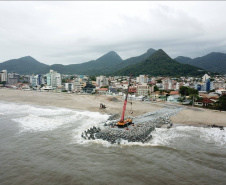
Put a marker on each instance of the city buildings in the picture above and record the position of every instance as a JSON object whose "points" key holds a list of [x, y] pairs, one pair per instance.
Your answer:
{"points": [[142, 79], [36, 80], [3, 76], [54, 79], [205, 77], [13, 78], [102, 81], [204, 86], [144, 90]]}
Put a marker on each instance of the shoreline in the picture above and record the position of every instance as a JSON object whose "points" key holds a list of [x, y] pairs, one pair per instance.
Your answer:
{"points": [[190, 116], [87, 102]]}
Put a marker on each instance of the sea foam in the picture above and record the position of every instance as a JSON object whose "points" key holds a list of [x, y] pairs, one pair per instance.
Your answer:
{"points": [[163, 136], [36, 118]]}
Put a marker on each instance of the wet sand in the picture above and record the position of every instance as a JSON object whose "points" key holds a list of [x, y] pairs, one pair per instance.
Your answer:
{"points": [[188, 116], [195, 116]]}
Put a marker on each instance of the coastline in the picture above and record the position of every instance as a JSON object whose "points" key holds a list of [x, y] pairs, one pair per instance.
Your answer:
{"points": [[192, 116], [78, 101]]}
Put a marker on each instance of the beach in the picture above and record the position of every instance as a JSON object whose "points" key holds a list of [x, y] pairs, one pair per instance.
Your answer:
{"points": [[189, 115], [77, 101]]}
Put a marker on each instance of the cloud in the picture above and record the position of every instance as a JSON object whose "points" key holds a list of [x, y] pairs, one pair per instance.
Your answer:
{"points": [[75, 31]]}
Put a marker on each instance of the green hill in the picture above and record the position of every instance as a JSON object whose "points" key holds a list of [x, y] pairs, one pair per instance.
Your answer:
{"points": [[183, 60], [214, 62], [134, 60], [106, 64], [28, 65], [24, 65], [160, 64], [152, 62]]}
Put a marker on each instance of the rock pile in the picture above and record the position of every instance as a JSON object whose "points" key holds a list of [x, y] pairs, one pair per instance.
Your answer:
{"points": [[140, 132]]}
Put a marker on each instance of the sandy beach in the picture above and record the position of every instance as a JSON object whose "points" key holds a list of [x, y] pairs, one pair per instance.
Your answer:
{"points": [[189, 116], [77, 101]]}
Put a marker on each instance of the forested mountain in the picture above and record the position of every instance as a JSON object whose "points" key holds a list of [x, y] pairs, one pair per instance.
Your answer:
{"points": [[111, 63], [134, 60], [106, 64], [24, 65], [215, 62], [161, 64], [102, 65], [28, 65], [152, 62], [182, 59]]}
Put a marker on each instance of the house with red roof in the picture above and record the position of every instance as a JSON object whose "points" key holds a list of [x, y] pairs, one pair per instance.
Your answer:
{"points": [[204, 102]]}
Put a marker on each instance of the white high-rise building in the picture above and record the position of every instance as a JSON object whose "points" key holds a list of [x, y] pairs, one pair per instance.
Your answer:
{"points": [[205, 77], [102, 81], [53, 79], [3, 76], [142, 79]]}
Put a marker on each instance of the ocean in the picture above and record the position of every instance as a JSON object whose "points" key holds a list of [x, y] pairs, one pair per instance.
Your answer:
{"points": [[43, 145]]}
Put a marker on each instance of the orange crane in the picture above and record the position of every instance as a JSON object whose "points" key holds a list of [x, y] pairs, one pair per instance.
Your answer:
{"points": [[122, 122]]}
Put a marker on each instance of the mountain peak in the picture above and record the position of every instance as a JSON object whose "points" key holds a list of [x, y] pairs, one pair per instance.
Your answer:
{"points": [[27, 58], [112, 55], [151, 50], [160, 54]]}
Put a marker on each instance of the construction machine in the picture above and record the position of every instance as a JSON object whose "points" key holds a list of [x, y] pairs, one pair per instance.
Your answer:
{"points": [[122, 122]]}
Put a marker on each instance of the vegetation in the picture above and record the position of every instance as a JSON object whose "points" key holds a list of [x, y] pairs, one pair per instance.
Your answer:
{"points": [[92, 78], [181, 99], [159, 81], [64, 81], [28, 65], [222, 102], [152, 62], [3, 82], [25, 65], [135, 60], [106, 86], [156, 88], [183, 60], [194, 97], [186, 91], [160, 64], [215, 62]]}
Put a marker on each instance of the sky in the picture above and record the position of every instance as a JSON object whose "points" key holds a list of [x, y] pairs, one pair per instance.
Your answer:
{"points": [[71, 32]]}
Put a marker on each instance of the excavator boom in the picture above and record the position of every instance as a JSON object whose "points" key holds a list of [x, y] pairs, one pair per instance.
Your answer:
{"points": [[122, 122]]}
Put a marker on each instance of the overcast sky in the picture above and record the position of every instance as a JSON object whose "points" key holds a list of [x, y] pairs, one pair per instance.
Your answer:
{"points": [[74, 32]]}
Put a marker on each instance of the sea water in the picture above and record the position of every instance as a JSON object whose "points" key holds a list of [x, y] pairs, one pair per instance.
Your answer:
{"points": [[43, 145]]}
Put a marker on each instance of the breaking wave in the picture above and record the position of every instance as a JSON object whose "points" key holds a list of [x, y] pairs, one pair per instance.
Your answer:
{"points": [[36, 119]]}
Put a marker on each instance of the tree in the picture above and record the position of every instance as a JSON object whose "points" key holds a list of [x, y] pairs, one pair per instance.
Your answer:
{"points": [[192, 91], [156, 88], [194, 97], [92, 78], [181, 99], [183, 90], [222, 102], [186, 91], [159, 81]]}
